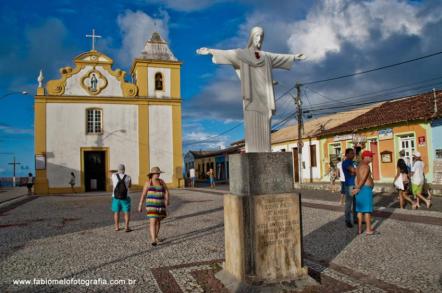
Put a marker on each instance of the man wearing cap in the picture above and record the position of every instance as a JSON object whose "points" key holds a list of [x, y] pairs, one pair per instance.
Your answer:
{"points": [[120, 197], [364, 192], [417, 179]]}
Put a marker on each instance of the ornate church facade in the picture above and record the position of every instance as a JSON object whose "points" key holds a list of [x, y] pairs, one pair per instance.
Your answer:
{"points": [[91, 119]]}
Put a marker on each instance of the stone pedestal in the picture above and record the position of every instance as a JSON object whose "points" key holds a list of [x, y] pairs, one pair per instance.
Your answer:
{"points": [[262, 223]]}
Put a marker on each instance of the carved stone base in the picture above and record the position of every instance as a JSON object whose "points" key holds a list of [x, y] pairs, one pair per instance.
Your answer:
{"points": [[263, 227]]}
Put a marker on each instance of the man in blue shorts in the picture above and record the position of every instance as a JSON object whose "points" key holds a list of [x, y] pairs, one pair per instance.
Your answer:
{"points": [[120, 197]]}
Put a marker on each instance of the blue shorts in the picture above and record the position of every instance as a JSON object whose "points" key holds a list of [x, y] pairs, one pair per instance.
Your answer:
{"points": [[364, 200], [121, 205], [211, 180]]}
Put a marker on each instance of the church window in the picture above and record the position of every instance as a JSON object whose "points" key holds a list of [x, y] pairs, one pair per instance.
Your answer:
{"points": [[94, 121], [158, 81]]}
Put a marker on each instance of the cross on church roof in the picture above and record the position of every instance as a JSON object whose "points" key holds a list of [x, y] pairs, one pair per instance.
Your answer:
{"points": [[93, 36]]}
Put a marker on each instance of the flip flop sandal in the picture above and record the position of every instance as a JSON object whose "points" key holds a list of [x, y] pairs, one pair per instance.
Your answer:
{"points": [[128, 230], [372, 233], [154, 244]]}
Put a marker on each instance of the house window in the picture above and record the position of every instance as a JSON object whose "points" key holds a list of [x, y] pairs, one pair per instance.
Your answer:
{"points": [[334, 152], [313, 155], [94, 121], [158, 81]]}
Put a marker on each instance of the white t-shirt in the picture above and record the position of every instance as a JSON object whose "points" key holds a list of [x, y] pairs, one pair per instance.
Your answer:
{"points": [[192, 173], [341, 172], [127, 181], [418, 173]]}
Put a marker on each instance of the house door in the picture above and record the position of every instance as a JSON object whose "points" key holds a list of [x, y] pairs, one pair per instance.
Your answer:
{"points": [[95, 170], [295, 164], [407, 144], [375, 164]]}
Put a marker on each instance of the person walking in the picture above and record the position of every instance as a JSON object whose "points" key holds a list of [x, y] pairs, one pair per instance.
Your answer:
{"points": [[402, 181], [417, 179], [30, 183], [72, 182], [349, 171], [211, 175], [192, 177], [120, 197], [363, 192], [156, 197], [341, 179], [333, 175]]}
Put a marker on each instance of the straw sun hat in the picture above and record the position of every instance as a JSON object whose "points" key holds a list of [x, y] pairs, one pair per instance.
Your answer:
{"points": [[155, 170]]}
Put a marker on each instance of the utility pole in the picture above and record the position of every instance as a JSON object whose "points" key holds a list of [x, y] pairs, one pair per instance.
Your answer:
{"points": [[14, 163], [299, 116]]}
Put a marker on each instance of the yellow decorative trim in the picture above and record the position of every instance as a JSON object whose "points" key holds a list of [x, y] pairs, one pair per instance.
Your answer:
{"points": [[175, 83], [99, 76], [106, 167], [91, 58], [57, 86], [107, 100], [41, 180], [154, 63], [129, 89], [94, 56]]}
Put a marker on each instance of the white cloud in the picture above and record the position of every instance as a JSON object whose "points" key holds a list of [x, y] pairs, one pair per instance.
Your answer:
{"points": [[137, 27], [194, 140], [12, 130], [332, 23], [188, 5]]}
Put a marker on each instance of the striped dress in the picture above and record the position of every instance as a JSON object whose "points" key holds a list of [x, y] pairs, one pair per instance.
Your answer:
{"points": [[155, 202]]}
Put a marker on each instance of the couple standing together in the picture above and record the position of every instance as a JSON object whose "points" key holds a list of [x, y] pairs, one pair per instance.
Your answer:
{"points": [[358, 189], [155, 197]]}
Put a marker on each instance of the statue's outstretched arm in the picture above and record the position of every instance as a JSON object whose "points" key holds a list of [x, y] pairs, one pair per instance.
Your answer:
{"points": [[204, 51]]}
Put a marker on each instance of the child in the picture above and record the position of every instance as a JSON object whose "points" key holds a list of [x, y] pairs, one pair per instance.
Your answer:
{"points": [[72, 182], [30, 183], [156, 197]]}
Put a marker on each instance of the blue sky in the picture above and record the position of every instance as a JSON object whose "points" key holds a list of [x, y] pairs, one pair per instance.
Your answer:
{"points": [[338, 37]]}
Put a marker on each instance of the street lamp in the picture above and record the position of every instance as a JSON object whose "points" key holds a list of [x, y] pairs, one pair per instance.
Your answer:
{"points": [[14, 93]]}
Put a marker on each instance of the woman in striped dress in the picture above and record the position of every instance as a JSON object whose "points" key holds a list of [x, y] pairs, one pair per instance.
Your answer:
{"points": [[156, 197]]}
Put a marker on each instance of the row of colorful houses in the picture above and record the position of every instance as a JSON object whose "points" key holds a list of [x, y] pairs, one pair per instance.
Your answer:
{"points": [[412, 123]]}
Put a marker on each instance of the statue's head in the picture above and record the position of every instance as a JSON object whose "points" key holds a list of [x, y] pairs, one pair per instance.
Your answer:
{"points": [[256, 37]]}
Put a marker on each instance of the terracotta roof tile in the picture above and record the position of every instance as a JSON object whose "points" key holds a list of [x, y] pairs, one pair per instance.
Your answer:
{"points": [[412, 108]]}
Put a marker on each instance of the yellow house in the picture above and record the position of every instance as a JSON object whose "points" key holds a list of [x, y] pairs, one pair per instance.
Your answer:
{"points": [[91, 119], [402, 124], [313, 161]]}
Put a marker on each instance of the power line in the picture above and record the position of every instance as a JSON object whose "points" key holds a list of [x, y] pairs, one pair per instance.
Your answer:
{"points": [[371, 70], [353, 105], [358, 97], [362, 72], [217, 135]]}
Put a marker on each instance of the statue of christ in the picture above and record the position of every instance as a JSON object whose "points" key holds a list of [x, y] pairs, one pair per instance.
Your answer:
{"points": [[254, 68]]}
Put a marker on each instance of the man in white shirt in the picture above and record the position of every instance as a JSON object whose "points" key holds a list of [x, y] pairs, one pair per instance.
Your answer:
{"points": [[417, 179], [120, 197], [192, 177], [341, 179]]}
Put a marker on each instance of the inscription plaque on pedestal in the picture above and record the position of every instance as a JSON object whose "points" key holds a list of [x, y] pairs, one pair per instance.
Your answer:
{"points": [[277, 237]]}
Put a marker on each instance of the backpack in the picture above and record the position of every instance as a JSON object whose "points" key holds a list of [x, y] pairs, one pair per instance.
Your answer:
{"points": [[120, 191]]}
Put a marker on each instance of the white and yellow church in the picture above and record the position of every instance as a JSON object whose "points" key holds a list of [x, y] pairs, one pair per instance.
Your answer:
{"points": [[92, 119]]}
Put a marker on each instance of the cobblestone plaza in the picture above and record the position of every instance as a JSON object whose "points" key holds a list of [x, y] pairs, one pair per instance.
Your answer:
{"points": [[70, 238]]}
